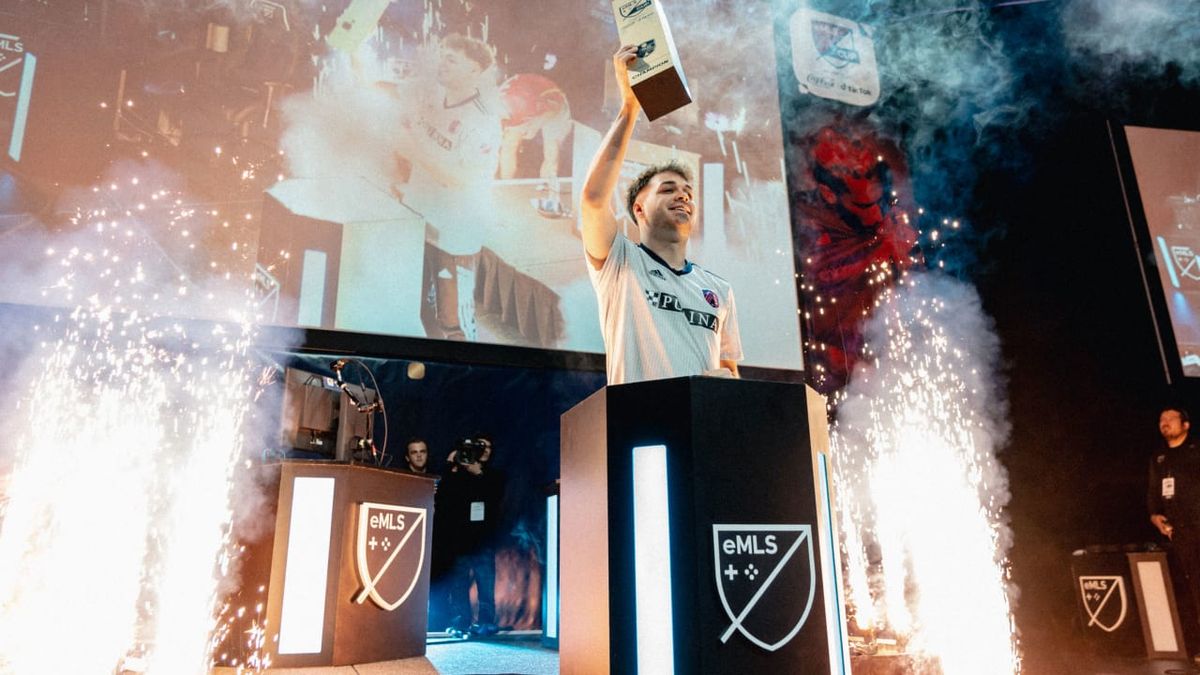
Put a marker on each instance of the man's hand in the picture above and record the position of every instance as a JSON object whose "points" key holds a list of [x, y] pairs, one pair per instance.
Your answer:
{"points": [[626, 55], [1160, 521], [474, 468]]}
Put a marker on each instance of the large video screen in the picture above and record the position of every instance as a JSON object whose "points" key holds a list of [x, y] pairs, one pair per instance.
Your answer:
{"points": [[399, 167], [1166, 163]]}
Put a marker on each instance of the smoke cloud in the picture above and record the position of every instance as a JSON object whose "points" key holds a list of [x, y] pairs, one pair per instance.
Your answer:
{"points": [[341, 129], [944, 67], [1142, 37]]}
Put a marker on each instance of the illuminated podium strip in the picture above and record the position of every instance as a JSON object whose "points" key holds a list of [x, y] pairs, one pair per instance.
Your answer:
{"points": [[306, 566], [16, 139], [550, 594], [696, 532], [653, 614], [1161, 629]]}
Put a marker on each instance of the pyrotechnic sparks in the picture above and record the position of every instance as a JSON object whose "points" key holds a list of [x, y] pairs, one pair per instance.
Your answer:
{"points": [[117, 527], [758, 216], [922, 491], [723, 123]]}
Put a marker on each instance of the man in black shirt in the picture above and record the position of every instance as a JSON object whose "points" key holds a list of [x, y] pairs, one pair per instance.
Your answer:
{"points": [[1173, 500], [470, 499]]}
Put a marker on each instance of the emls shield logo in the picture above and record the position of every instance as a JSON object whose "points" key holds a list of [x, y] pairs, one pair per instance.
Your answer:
{"points": [[766, 577], [1104, 600], [390, 552]]}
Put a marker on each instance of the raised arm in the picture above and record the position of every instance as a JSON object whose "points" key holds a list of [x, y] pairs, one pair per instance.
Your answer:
{"points": [[599, 229]]}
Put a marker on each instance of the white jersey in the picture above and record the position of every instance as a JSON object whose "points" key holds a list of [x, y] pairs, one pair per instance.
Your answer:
{"points": [[659, 322], [464, 140]]}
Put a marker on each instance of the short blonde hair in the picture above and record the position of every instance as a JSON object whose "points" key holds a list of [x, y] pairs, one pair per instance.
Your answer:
{"points": [[476, 50]]}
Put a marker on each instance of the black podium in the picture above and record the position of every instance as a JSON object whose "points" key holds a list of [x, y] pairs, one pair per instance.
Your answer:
{"points": [[696, 532], [340, 575], [1104, 595], [1126, 603]]}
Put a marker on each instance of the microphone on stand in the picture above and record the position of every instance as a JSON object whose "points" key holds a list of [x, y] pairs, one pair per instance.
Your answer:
{"points": [[368, 443], [337, 367]]}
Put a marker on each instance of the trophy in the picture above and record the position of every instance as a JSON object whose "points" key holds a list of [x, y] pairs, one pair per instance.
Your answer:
{"points": [[356, 24], [656, 76]]}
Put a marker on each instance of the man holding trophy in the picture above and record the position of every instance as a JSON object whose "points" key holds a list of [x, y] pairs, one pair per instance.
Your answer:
{"points": [[661, 314], [446, 156]]}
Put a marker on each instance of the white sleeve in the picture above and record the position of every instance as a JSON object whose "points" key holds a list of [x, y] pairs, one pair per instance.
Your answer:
{"points": [[731, 340], [609, 275]]}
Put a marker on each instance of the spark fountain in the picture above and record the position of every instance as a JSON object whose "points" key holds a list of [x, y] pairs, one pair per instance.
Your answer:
{"points": [[116, 534], [922, 493]]}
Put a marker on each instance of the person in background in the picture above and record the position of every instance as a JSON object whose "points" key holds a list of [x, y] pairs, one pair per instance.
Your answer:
{"points": [[446, 147], [1173, 500], [470, 500], [416, 455]]}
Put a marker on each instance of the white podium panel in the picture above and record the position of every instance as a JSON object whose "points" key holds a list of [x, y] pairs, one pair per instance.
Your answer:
{"points": [[347, 255]]}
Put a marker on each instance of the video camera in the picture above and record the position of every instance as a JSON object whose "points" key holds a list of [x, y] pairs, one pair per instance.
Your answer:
{"points": [[470, 450]]}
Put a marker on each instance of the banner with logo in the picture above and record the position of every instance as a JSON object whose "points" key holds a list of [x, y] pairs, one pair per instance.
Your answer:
{"points": [[853, 211], [834, 57]]}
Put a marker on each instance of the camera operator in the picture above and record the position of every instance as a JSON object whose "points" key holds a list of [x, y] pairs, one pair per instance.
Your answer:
{"points": [[469, 515]]}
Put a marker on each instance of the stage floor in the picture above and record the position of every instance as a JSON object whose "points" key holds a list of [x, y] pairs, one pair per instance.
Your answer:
{"points": [[1068, 663], [515, 655], [528, 657]]}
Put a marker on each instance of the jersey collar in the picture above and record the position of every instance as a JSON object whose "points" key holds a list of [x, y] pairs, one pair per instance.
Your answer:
{"points": [[687, 264], [473, 98]]}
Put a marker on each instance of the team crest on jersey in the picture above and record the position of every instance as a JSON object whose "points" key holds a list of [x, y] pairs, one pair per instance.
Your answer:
{"points": [[712, 298]]}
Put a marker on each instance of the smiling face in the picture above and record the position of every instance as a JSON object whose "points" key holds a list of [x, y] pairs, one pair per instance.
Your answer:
{"points": [[666, 207]]}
